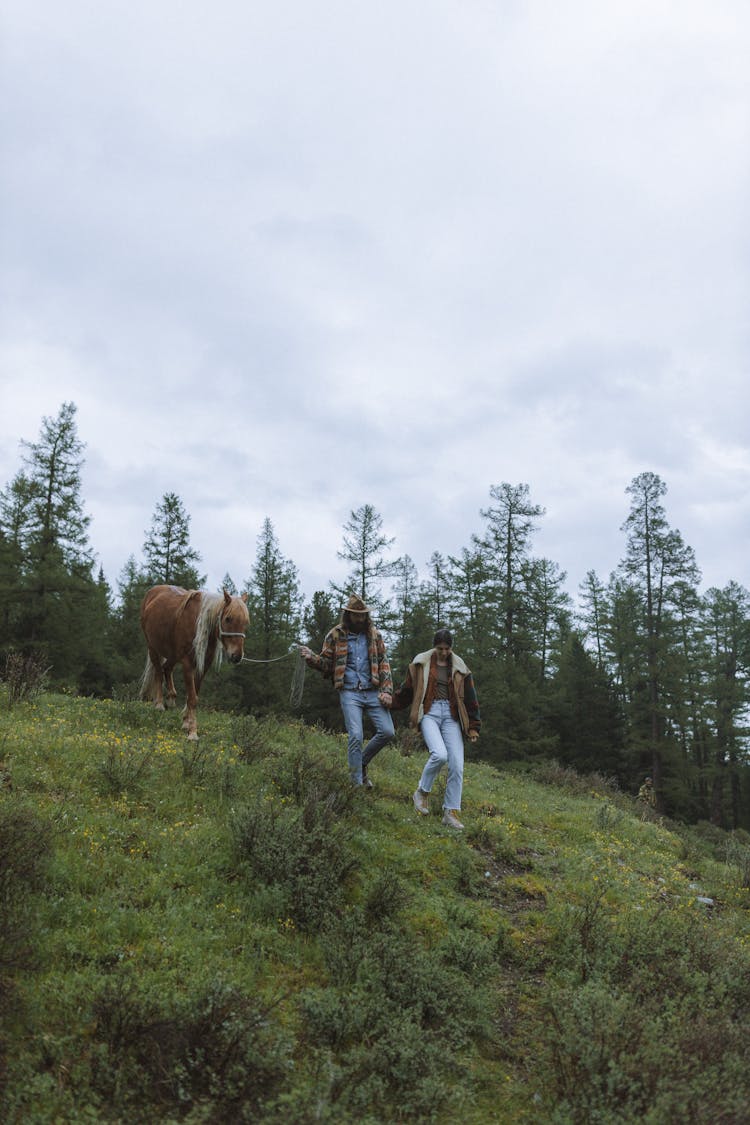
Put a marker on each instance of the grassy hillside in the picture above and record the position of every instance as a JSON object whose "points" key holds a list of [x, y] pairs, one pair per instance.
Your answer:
{"points": [[227, 932]]}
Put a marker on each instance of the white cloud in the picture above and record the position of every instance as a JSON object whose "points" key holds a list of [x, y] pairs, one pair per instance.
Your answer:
{"points": [[290, 259]]}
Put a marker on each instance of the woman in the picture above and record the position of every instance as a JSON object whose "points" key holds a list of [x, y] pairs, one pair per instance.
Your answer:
{"points": [[444, 705]]}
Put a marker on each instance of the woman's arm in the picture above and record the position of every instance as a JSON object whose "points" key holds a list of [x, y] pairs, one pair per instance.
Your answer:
{"points": [[405, 694], [471, 702]]}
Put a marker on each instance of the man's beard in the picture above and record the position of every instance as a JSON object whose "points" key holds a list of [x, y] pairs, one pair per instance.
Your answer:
{"points": [[357, 625]]}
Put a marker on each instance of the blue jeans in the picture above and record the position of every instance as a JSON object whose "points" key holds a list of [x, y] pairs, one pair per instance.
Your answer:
{"points": [[354, 704], [445, 743]]}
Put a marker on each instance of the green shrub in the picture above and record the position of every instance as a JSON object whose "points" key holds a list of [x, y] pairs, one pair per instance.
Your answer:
{"points": [[468, 873], [300, 844], [132, 713], [254, 738], [25, 851], [25, 676], [217, 1047], [385, 898], [121, 771], [491, 840], [607, 818], [394, 1019], [551, 772], [617, 1056], [194, 760], [738, 856], [646, 1020], [312, 779], [304, 852]]}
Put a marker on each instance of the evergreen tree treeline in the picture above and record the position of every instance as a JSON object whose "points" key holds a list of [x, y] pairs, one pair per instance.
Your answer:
{"points": [[645, 675]]}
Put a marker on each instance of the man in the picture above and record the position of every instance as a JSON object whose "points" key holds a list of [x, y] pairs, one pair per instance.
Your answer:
{"points": [[647, 796], [646, 792], [354, 657]]}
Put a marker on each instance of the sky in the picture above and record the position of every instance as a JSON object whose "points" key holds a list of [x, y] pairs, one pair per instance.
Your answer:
{"points": [[288, 259]]}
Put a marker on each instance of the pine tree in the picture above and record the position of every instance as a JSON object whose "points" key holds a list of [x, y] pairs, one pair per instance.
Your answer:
{"points": [[228, 584], [275, 607], [726, 617], [585, 714], [48, 558], [510, 672], [364, 545], [96, 675], [685, 702], [14, 505], [320, 702], [170, 559], [129, 645], [413, 622], [656, 564], [55, 530], [506, 543], [436, 588], [473, 603], [593, 594], [550, 610]]}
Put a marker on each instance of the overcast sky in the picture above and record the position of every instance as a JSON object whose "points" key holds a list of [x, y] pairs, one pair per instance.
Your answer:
{"points": [[291, 258]]}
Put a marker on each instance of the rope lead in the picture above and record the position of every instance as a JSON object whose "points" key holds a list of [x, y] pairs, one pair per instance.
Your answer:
{"points": [[298, 676]]}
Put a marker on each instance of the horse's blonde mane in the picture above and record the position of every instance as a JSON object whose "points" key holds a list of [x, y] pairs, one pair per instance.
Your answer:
{"points": [[208, 615]]}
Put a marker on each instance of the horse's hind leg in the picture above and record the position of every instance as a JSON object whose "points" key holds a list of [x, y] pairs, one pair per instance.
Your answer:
{"points": [[169, 682], [156, 680]]}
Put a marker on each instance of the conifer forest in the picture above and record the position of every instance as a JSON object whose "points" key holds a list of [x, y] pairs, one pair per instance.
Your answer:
{"points": [[642, 675]]}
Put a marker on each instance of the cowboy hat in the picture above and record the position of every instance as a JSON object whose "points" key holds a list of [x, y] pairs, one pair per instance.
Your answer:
{"points": [[355, 605]]}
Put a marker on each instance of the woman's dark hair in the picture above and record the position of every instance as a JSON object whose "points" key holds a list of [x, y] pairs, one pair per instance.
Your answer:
{"points": [[443, 637]]}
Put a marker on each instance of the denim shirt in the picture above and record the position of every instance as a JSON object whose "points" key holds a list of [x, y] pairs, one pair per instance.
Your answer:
{"points": [[357, 673]]}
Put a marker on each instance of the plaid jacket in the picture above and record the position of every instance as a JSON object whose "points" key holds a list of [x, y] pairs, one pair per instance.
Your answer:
{"points": [[331, 660]]}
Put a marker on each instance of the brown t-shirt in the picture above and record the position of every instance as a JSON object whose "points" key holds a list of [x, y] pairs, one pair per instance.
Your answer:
{"points": [[443, 679]]}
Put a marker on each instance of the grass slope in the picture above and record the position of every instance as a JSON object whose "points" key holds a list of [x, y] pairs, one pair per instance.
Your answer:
{"points": [[227, 932]]}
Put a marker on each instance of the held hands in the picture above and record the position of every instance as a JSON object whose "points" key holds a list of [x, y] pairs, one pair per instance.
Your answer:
{"points": [[386, 699], [473, 735]]}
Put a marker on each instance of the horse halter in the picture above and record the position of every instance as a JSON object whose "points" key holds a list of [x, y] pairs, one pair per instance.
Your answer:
{"points": [[226, 633]]}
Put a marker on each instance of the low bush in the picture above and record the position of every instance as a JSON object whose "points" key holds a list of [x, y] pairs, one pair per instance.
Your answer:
{"points": [[647, 1020], [153, 1051], [304, 853], [394, 1019], [255, 738], [737, 852], [121, 771], [25, 675], [25, 851], [310, 779], [552, 772]]}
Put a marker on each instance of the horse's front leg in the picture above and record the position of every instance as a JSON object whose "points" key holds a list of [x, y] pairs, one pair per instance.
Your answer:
{"points": [[189, 718]]}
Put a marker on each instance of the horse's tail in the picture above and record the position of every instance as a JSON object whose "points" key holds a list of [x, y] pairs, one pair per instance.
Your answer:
{"points": [[148, 680]]}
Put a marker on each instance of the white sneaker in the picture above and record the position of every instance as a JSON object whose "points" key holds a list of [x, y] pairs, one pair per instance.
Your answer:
{"points": [[450, 820], [420, 802]]}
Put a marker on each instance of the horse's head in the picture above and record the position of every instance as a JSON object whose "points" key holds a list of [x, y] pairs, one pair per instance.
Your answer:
{"points": [[233, 621]]}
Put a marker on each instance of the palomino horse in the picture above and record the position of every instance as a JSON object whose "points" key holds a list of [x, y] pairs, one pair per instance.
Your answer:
{"points": [[193, 628]]}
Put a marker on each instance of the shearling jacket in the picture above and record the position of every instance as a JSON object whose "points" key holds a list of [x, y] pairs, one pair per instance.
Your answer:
{"points": [[420, 686]]}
